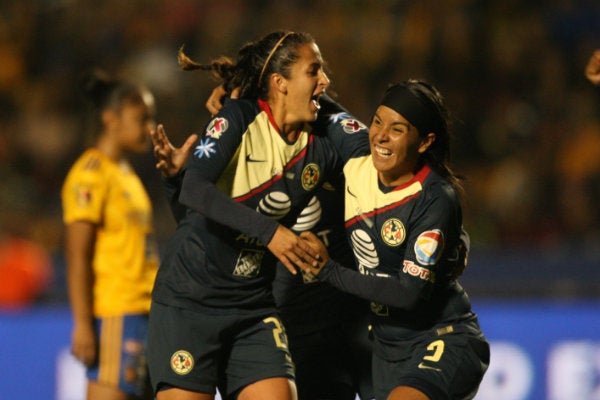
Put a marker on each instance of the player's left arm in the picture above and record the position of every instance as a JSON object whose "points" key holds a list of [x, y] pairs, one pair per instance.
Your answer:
{"points": [[432, 237]]}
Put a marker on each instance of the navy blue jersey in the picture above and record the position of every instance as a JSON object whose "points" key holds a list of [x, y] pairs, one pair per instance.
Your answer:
{"points": [[305, 303], [408, 234], [241, 181]]}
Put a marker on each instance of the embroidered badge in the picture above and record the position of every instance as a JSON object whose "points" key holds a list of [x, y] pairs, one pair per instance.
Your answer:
{"points": [[393, 232], [205, 148], [84, 195], [350, 125], [217, 127], [429, 247], [310, 176], [248, 263], [182, 362]]}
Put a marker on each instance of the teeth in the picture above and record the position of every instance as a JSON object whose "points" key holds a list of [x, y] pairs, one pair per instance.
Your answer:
{"points": [[382, 151], [316, 103]]}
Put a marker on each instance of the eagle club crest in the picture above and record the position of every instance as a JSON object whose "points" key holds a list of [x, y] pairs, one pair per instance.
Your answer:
{"points": [[182, 362], [310, 176], [393, 232]]}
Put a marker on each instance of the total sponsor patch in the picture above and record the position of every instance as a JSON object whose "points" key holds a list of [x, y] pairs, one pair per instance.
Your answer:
{"points": [[429, 247]]}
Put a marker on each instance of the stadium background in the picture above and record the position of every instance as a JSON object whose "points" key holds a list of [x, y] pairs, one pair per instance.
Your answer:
{"points": [[527, 139]]}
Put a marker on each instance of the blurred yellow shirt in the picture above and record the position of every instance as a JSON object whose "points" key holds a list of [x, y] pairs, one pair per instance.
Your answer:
{"points": [[100, 191]]}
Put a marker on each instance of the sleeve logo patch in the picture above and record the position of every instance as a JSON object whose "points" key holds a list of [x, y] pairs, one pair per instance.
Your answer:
{"points": [[351, 125], [84, 195], [217, 127], [429, 247], [393, 232], [205, 148]]}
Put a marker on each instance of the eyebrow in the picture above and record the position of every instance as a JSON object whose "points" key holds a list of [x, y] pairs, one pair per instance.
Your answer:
{"points": [[315, 64], [406, 124]]}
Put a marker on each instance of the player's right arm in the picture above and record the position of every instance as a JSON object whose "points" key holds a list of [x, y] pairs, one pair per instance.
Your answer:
{"points": [[170, 161], [80, 239], [200, 193]]}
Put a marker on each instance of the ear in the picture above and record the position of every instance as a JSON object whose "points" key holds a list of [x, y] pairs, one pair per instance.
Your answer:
{"points": [[279, 83], [426, 142], [108, 118]]}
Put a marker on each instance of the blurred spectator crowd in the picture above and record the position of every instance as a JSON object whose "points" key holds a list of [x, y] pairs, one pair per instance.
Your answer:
{"points": [[527, 130]]}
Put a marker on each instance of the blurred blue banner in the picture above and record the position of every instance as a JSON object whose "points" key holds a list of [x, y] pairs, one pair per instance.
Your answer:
{"points": [[540, 350]]}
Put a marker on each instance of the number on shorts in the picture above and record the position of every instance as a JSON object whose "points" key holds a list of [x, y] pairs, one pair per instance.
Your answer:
{"points": [[278, 332], [438, 349]]}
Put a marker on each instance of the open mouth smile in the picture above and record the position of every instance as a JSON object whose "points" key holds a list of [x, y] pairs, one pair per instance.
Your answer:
{"points": [[382, 151]]}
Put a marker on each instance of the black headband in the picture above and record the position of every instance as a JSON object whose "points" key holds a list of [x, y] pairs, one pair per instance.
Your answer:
{"points": [[421, 115]]}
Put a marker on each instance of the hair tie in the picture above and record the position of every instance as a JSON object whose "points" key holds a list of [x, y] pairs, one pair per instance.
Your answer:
{"points": [[271, 55]]}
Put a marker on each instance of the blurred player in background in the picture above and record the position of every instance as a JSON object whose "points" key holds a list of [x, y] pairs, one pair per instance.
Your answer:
{"points": [[111, 257]]}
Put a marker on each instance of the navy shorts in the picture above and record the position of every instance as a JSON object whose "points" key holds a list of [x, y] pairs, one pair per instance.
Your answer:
{"points": [[443, 364], [122, 354], [200, 352], [334, 362]]}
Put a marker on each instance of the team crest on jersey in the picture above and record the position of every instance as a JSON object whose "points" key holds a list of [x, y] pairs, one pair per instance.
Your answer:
{"points": [[205, 148], [351, 125], [310, 176], [393, 232], [248, 263], [429, 247], [182, 362], [216, 128]]}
